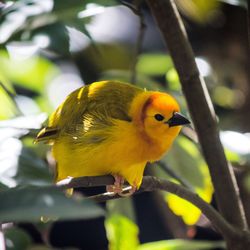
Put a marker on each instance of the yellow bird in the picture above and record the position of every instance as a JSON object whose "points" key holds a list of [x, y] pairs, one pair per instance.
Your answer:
{"points": [[110, 127]]}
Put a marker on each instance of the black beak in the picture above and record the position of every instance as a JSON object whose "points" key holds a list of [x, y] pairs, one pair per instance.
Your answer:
{"points": [[177, 119]]}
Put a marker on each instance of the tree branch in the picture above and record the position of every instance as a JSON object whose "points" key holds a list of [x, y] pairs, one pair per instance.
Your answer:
{"points": [[201, 109], [151, 183]]}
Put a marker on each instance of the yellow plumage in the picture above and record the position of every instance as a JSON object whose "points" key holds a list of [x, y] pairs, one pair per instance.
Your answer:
{"points": [[110, 127]]}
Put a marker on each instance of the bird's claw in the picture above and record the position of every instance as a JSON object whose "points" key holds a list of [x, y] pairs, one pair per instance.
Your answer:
{"points": [[118, 187]]}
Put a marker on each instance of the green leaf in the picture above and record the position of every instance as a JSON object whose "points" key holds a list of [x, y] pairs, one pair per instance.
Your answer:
{"points": [[154, 64], [32, 73], [24, 16], [32, 170], [30, 204], [7, 106], [57, 35], [173, 80], [122, 233], [185, 159], [182, 244], [16, 239], [7, 86], [201, 11], [122, 207]]}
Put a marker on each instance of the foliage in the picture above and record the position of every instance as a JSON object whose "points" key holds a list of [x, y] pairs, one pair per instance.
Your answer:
{"points": [[41, 62]]}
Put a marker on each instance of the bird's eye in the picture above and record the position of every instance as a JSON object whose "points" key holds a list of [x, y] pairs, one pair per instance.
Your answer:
{"points": [[159, 117]]}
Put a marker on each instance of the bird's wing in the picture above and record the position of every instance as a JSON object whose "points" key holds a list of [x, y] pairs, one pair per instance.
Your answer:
{"points": [[90, 108]]}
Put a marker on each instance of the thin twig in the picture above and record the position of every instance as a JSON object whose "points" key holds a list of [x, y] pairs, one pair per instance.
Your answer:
{"points": [[139, 41], [138, 46]]}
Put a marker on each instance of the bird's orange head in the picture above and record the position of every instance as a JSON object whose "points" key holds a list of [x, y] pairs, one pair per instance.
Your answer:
{"points": [[157, 115]]}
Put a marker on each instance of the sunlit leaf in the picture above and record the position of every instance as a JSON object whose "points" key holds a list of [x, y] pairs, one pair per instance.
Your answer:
{"points": [[24, 16], [200, 11], [192, 168], [14, 18], [7, 107], [32, 73], [16, 239], [10, 149], [225, 96], [173, 80], [154, 64], [182, 244], [20, 165], [6, 84], [122, 233], [236, 142], [29, 204], [232, 156]]}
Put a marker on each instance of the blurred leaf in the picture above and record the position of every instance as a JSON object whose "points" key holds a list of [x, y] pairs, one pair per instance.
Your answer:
{"points": [[182, 244], [200, 11], [10, 149], [186, 160], [16, 239], [7, 107], [3, 187], [24, 122], [225, 96], [242, 3], [32, 170], [154, 64], [232, 156], [53, 37], [125, 76], [122, 207], [15, 17], [173, 80], [20, 165], [24, 16], [236, 142], [29, 204], [32, 73], [6, 85], [122, 233]]}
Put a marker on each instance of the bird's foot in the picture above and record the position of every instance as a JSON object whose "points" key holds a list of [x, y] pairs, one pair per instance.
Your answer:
{"points": [[118, 187]]}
